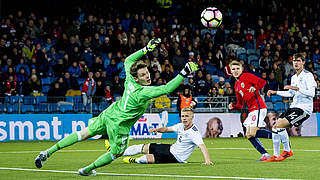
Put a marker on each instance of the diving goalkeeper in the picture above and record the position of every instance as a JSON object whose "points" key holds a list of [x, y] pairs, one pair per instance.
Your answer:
{"points": [[119, 117]]}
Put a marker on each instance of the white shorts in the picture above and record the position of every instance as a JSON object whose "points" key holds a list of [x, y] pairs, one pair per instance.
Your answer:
{"points": [[256, 119]]}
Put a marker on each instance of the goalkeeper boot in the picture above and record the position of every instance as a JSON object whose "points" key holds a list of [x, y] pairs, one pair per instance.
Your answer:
{"points": [[41, 159], [264, 157], [270, 159], [107, 145], [83, 173], [129, 160]]}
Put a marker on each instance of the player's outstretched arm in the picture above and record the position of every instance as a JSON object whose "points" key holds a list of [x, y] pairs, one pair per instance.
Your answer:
{"points": [[150, 92], [161, 130], [152, 44], [205, 154]]}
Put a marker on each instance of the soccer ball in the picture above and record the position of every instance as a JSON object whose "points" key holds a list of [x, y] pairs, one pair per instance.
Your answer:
{"points": [[211, 17]]}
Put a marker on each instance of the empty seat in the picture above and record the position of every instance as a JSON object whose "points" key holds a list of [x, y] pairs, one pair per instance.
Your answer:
{"points": [[15, 99], [276, 98], [41, 99], [13, 108], [3, 108], [269, 105], [66, 108], [69, 99], [103, 106], [279, 107], [79, 107], [27, 108], [28, 100], [41, 108], [53, 108]]}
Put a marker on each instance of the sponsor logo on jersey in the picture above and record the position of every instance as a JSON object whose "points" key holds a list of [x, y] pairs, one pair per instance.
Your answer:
{"points": [[292, 115], [254, 117], [143, 119]]}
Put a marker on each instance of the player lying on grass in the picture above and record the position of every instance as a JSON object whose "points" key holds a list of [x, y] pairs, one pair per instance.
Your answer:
{"points": [[247, 88], [302, 89], [188, 138], [117, 119]]}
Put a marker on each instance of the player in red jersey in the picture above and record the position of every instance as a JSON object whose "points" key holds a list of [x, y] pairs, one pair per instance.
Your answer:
{"points": [[247, 88]]}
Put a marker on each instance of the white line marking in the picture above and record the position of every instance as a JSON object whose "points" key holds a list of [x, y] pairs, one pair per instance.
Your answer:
{"points": [[143, 175], [98, 150]]}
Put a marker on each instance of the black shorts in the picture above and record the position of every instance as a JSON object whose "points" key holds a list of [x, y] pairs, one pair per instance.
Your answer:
{"points": [[295, 116], [161, 153]]}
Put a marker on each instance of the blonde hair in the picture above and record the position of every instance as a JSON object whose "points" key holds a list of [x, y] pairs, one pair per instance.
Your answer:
{"points": [[234, 62], [299, 55], [187, 109]]}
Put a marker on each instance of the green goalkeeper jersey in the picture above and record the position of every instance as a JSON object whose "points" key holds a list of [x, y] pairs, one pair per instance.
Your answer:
{"points": [[123, 114]]}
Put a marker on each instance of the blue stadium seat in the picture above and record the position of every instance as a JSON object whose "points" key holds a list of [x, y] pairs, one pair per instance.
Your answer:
{"points": [[276, 98], [255, 63], [269, 105], [220, 73], [103, 106], [45, 81], [3, 108], [13, 108], [29, 100], [15, 99], [211, 69], [252, 52], [69, 99], [27, 108], [79, 108], [279, 107], [252, 58], [7, 99], [41, 99], [53, 108], [66, 108], [45, 89], [241, 51], [267, 98], [95, 108], [116, 97], [77, 99], [41, 108]]}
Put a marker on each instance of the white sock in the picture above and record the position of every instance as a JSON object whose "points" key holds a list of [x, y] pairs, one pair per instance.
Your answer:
{"points": [[142, 160], [276, 144], [284, 138], [133, 150]]}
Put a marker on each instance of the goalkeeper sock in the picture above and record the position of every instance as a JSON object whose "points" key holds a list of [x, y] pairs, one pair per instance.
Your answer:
{"points": [[142, 160], [133, 150], [103, 160], [257, 144], [65, 142], [284, 138], [264, 133], [276, 144]]}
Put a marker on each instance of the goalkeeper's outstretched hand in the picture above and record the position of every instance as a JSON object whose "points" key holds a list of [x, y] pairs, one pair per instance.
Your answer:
{"points": [[189, 68], [153, 43]]}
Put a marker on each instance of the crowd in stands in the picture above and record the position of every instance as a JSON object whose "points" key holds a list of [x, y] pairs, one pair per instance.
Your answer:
{"points": [[84, 54]]}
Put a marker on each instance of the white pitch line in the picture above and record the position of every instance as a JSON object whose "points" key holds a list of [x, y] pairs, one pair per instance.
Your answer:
{"points": [[142, 175], [97, 150]]}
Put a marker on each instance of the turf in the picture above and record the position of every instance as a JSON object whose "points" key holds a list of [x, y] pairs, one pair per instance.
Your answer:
{"points": [[240, 163]]}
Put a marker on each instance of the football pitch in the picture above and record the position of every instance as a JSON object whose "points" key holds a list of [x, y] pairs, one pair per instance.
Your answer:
{"points": [[234, 158]]}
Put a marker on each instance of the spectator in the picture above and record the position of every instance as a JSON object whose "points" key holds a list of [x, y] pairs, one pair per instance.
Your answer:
{"points": [[178, 62], [121, 69], [185, 100], [88, 89], [74, 70], [11, 87], [202, 86], [167, 75], [112, 69], [272, 82], [117, 86], [97, 65], [33, 86], [71, 85]]}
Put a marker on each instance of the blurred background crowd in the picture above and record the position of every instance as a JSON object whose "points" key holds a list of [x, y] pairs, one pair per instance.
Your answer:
{"points": [[79, 48]]}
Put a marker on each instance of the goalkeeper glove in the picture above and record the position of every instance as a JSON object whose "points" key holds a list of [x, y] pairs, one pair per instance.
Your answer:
{"points": [[189, 68], [151, 45]]}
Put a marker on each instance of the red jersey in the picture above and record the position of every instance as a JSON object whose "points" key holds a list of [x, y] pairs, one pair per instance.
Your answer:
{"points": [[253, 100]]}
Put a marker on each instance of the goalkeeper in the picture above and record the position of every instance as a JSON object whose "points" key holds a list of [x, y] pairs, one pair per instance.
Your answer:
{"points": [[117, 119]]}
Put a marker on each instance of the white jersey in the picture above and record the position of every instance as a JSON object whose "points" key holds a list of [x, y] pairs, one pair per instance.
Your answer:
{"points": [[303, 98], [186, 142]]}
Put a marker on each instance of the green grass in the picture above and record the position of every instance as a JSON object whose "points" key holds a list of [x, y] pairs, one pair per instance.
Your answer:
{"points": [[228, 162]]}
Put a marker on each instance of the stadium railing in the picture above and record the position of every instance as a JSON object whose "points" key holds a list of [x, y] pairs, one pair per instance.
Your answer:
{"points": [[95, 105]]}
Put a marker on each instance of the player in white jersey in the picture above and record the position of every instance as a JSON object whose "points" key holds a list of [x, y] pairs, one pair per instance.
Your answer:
{"points": [[188, 138], [302, 89]]}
